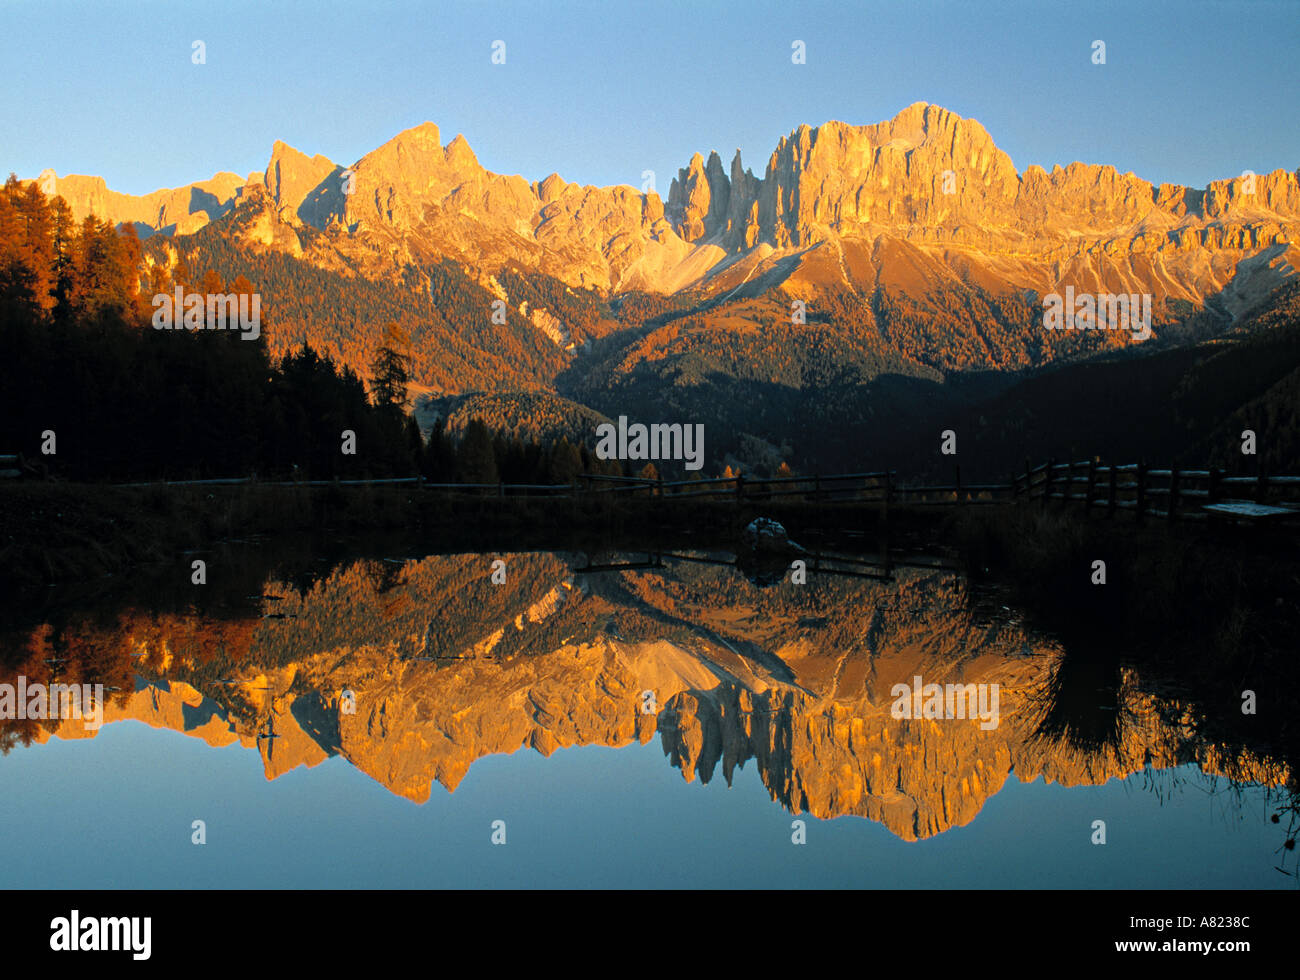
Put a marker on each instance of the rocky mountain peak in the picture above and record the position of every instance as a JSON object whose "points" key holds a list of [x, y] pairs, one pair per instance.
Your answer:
{"points": [[291, 175], [425, 135], [698, 198], [459, 156]]}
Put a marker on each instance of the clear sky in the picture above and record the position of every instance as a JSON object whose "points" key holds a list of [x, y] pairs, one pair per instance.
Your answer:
{"points": [[601, 91]]}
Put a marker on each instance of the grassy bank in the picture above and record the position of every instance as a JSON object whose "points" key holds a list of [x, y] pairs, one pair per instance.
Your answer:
{"points": [[62, 532], [68, 532]]}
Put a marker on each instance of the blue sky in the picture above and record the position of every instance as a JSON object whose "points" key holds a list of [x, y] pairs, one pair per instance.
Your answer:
{"points": [[600, 91]]}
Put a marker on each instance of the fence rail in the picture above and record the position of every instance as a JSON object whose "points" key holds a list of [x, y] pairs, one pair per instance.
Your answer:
{"points": [[1172, 494], [1169, 493], [881, 486]]}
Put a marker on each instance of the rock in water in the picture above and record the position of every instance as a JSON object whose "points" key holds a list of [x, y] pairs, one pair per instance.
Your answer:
{"points": [[766, 536]]}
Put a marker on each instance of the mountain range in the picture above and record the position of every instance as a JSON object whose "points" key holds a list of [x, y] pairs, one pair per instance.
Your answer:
{"points": [[918, 251], [873, 189]]}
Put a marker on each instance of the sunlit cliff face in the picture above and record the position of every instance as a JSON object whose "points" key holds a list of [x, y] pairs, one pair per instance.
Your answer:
{"points": [[920, 202]]}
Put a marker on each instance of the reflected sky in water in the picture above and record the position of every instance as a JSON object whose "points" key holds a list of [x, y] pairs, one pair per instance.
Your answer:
{"points": [[116, 811], [773, 702]]}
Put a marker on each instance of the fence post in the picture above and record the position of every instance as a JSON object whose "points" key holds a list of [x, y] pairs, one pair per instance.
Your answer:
{"points": [[884, 536], [1047, 479], [1261, 485], [1141, 489], [1216, 475], [1173, 492], [740, 487], [1112, 502], [1092, 485]]}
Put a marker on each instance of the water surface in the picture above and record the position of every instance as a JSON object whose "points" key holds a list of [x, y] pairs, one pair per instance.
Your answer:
{"points": [[378, 722]]}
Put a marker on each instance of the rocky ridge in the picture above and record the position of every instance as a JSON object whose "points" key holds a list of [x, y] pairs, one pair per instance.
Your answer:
{"points": [[916, 201]]}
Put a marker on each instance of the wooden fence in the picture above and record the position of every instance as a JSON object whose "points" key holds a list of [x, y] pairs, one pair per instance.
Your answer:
{"points": [[1171, 494], [1145, 491], [880, 487]]}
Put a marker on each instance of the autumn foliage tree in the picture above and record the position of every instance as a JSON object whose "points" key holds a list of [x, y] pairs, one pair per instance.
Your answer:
{"points": [[80, 363]]}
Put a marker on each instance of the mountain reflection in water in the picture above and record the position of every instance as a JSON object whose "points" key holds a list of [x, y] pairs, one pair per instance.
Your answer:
{"points": [[441, 667]]}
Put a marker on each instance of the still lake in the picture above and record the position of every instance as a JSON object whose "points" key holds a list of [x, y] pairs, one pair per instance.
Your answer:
{"points": [[612, 720]]}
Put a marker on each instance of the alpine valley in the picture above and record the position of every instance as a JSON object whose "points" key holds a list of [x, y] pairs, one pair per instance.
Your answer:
{"points": [[919, 252]]}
